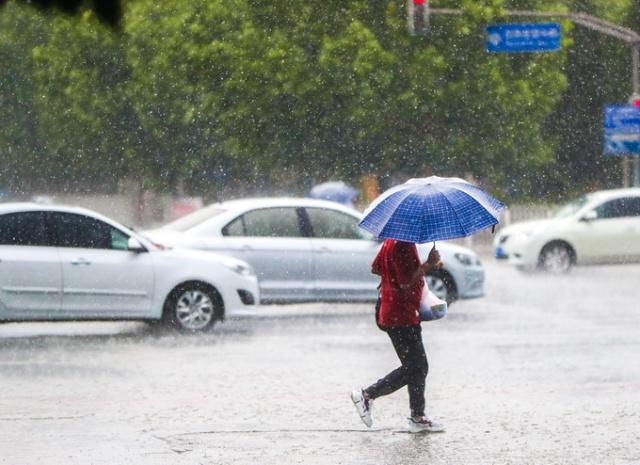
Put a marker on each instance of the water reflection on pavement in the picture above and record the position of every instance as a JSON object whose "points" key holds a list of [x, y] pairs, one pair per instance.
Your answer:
{"points": [[542, 371]]}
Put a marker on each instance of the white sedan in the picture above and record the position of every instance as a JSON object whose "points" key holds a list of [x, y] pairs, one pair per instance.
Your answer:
{"points": [[65, 263], [598, 228], [309, 250]]}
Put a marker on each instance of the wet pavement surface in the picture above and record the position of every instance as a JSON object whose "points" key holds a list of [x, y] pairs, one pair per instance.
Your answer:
{"points": [[543, 370]]}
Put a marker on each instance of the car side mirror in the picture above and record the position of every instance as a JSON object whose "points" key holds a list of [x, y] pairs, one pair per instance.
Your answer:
{"points": [[589, 216], [134, 245]]}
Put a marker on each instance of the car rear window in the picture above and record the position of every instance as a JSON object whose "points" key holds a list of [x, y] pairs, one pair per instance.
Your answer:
{"points": [[266, 222], [329, 224], [194, 219]]}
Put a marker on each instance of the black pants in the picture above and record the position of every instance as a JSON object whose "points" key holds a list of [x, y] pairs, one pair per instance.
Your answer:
{"points": [[407, 341]]}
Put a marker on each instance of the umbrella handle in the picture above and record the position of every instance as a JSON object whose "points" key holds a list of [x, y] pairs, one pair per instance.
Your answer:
{"points": [[439, 264]]}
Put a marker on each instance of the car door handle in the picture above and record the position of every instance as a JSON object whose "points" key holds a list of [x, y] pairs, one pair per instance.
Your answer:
{"points": [[80, 261], [247, 247], [323, 249]]}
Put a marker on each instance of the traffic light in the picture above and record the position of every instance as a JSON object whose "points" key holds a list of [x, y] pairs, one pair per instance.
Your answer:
{"points": [[418, 17], [635, 100]]}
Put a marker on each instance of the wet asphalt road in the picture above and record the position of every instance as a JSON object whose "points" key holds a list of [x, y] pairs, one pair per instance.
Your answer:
{"points": [[540, 371]]}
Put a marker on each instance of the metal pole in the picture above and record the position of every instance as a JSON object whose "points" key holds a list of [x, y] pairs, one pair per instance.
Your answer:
{"points": [[588, 21], [635, 85], [635, 68]]}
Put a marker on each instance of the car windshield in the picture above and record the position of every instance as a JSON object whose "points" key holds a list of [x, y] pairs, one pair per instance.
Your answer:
{"points": [[572, 207], [194, 219]]}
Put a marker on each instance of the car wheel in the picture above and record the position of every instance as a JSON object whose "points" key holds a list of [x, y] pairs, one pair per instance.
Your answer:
{"points": [[556, 258], [193, 307], [442, 285]]}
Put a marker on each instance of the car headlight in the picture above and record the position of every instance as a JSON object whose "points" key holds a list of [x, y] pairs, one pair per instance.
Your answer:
{"points": [[465, 259]]}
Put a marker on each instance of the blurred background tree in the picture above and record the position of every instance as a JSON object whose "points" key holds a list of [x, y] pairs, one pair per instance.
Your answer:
{"points": [[599, 73], [271, 96], [80, 77], [21, 149]]}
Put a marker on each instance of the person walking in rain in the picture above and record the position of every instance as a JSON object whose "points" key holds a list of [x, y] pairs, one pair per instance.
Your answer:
{"points": [[401, 273]]}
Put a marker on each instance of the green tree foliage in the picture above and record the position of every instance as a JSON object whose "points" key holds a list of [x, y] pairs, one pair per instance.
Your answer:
{"points": [[275, 95], [337, 88], [599, 73], [632, 15], [21, 29], [182, 55], [80, 79]]}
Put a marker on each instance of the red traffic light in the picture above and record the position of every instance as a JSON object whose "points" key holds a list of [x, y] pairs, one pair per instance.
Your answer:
{"points": [[635, 100]]}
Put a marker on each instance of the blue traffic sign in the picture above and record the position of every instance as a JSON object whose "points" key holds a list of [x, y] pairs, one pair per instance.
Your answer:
{"points": [[525, 37], [622, 130]]}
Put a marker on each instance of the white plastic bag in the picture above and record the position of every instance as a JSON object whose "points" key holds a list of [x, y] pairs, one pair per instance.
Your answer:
{"points": [[431, 307]]}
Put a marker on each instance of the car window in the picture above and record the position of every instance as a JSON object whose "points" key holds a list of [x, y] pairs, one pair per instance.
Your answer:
{"points": [[235, 228], [572, 207], [25, 228], [633, 206], [331, 224], [266, 222], [194, 219], [80, 231], [119, 240], [618, 208]]}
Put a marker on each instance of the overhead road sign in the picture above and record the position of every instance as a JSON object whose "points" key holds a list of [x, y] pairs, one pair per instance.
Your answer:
{"points": [[524, 37], [622, 130]]}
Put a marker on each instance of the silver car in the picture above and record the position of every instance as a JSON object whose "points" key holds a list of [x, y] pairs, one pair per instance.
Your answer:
{"points": [[68, 263], [309, 250]]}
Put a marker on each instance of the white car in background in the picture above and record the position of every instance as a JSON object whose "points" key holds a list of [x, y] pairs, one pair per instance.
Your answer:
{"points": [[309, 250], [599, 228], [65, 263]]}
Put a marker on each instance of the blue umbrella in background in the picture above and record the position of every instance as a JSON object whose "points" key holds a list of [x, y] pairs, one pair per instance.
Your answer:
{"points": [[336, 191], [431, 209]]}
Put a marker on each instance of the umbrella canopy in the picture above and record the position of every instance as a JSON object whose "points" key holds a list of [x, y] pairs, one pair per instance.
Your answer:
{"points": [[336, 191], [431, 209]]}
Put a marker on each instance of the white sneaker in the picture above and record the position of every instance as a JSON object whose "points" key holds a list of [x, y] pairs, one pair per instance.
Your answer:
{"points": [[426, 425], [363, 406]]}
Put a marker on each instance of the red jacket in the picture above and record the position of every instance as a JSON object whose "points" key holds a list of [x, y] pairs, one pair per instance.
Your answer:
{"points": [[396, 263]]}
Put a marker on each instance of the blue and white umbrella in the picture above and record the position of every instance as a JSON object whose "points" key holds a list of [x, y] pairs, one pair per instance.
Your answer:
{"points": [[431, 209], [336, 191]]}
